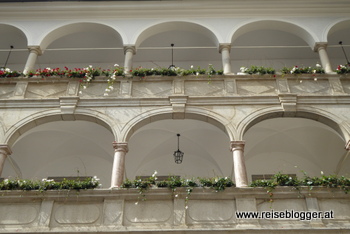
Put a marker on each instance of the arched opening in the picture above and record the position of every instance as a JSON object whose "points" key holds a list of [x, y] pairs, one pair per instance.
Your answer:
{"points": [[294, 146], [193, 45], [80, 45], [273, 44], [339, 32], [62, 149], [15, 58], [206, 149]]}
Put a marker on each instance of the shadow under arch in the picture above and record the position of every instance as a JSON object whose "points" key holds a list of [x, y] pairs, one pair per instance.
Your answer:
{"points": [[12, 28], [288, 27], [140, 122], [172, 26], [31, 122], [75, 28], [299, 114]]}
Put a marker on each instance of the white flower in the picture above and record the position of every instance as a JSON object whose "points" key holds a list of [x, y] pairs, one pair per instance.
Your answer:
{"points": [[7, 70], [107, 90], [105, 94], [90, 66], [315, 79], [197, 73], [111, 87], [191, 66], [321, 172], [116, 65], [80, 92], [314, 71], [176, 195], [84, 87], [136, 203], [243, 69], [186, 207], [318, 65]]}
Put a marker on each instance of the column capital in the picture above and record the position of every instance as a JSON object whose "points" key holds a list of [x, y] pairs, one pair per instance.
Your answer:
{"points": [[347, 146], [130, 48], [224, 46], [237, 145], [35, 49], [120, 146], [5, 149], [320, 45]]}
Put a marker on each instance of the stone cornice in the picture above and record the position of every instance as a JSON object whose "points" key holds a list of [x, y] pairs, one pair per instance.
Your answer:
{"points": [[190, 8]]}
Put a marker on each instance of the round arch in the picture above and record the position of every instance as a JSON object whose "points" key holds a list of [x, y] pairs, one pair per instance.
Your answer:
{"points": [[28, 123], [337, 26], [175, 25], [167, 113], [78, 27], [294, 29], [307, 114]]}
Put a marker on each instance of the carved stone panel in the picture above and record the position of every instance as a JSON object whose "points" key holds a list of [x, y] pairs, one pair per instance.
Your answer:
{"points": [[77, 214], [152, 89], [346, 85], [6, 90], [210, 88], [51, 90], [309, 86], [148, 213], [256, 87], [211, 211], [18, 213]]}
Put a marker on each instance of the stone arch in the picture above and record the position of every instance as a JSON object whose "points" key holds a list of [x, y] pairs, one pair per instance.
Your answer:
{"points": [[292, 28], [37, 119], [306, 113], [339, 25], [78, 27], [175, 25], [167, 113]]}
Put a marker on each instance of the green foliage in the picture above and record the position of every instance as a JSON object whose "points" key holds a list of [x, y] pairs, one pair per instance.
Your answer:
{"points": [[303, 70], [341, 69], [259, 70], [43, 185]]}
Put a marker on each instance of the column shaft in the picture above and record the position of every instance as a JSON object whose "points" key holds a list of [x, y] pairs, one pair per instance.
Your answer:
{"points": [[129, 52], [226, 59], [4, 152], [33, 55], [119, 163], [240, 172], [322, 52]]}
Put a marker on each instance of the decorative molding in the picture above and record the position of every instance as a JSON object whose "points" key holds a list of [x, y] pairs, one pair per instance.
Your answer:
{"points": [[120, 146], [288, 101], [178, 104], [68, 104], [237, 145]]}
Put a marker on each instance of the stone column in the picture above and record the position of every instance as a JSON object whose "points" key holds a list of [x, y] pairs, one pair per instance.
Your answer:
{"points": [[347, 146], [34, 52], [240, 172], [4, 152], [321, 49], [225, 49], [119, 163], [129, 52]]}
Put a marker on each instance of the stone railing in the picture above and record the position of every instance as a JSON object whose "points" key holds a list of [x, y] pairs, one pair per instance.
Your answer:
{"points": [[192, 86], [163, 210]]}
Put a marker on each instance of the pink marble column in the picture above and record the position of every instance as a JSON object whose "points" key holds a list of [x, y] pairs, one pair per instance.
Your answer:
{"points": [[4, 152], [119, 163], [240, 172]]}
